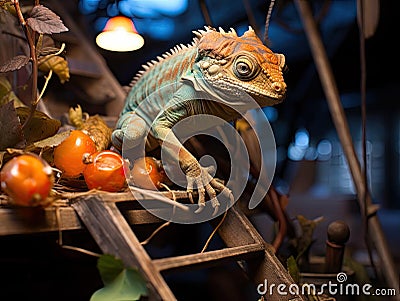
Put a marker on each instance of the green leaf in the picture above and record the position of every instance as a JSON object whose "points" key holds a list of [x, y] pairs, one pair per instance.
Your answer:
{"points": [[293, 269], [121, 284], [109, 268], [128, 286], [360, 275], [303, 243]]}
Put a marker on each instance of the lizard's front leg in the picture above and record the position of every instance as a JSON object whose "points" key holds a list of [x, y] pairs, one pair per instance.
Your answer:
{"points": [[130, 129], [196, 174]]}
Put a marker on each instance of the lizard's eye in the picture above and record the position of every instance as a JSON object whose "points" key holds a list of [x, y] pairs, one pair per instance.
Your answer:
{"points": [[245, 68]]}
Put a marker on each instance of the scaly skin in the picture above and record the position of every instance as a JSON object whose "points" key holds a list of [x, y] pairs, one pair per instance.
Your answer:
{"points": [[207, 77]]}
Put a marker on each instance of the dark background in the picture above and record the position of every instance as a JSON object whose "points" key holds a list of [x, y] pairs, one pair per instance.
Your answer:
{"points": [[311, 168]]}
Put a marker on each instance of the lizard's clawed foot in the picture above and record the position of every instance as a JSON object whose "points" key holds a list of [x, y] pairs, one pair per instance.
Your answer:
{"points": [[205, 183]]}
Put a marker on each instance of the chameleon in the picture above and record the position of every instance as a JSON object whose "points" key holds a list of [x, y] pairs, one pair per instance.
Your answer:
{"points": [[208, 76]]}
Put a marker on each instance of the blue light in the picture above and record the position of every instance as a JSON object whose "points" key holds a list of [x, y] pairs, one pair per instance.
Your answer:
{"points": [[302, 138], [112, 10], [88, 6], [152, 8], [324, 150], [161, 29], [271, 113], [295, 153], [100, 23]]}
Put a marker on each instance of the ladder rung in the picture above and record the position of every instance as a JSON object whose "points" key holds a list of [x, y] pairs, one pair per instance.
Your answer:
{"points": [[233, 253]]}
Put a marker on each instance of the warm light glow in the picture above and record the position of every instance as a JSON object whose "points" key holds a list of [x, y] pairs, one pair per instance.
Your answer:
{"points": [[119, 34]]}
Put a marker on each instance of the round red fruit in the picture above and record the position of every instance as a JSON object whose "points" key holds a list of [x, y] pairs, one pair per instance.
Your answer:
{"points": [[148, 173], [27, 179], [69, 154], [105, 170]]}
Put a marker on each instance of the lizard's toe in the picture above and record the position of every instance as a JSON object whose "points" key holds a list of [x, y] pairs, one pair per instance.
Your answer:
{"points": [[202, 199]]}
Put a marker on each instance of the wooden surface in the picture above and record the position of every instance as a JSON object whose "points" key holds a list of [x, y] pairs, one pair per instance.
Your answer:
{"points": [[108, 217], [16, 221], [114, 236]]}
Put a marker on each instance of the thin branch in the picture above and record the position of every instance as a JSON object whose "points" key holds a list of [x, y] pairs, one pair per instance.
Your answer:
{"points": [[280, 217], [268, 19], [33, 57], [214, 231], [363, 89], [205, 12], [147, 240], [48, 77]]}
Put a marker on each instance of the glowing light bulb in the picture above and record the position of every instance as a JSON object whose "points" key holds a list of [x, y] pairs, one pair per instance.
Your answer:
{"points": [[119, 34]]}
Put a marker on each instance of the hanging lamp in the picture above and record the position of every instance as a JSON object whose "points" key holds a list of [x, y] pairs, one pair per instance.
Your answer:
{"points": [[119, 34]]}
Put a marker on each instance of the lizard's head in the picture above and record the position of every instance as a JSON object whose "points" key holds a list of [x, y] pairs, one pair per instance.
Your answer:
{"points": [[241, 63]]}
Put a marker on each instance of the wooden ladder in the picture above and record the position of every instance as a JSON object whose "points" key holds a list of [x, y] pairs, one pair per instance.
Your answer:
{"points": [[114, 235]]}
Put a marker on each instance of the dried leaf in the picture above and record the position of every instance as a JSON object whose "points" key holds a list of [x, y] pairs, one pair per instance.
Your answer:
{"points": [[56, 63], [45, 51], [46, 146], [17, 62], [49, 142], [43, 20], [10, 128], [2, 155], [76, 116], [94, 126], [7, 94], [8, 6], [9, 153], [40, 126]]}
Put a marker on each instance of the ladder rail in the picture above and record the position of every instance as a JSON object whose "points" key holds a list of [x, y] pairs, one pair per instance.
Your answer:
{"points": [[114, 235]]}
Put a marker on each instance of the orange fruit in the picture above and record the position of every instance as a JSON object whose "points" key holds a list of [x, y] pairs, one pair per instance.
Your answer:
{"points": [[27, 179], [105, 170], [148, 173], [69, 154]]}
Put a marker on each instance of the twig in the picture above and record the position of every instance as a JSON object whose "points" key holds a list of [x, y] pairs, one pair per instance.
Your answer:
{"points": [[281, 219], [33, 57], [267, 20], [48, 77], [147, 240], [60, 238], [81, 250], [214, 231], [363, 87]]}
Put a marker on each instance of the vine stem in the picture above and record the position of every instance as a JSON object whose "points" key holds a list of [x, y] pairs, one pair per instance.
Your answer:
{"points": [[33, 57], [48, 77]]}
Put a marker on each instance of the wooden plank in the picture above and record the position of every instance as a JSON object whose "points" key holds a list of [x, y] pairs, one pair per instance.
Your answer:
{"points": [[140, 217], [238, 230], [201, 260], [16, 221], [114, 236], [33, 220], [127, 195], [20, 221]]}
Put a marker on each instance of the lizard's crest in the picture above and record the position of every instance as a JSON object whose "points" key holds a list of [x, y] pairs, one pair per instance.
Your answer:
{"points": [[229, 62]]}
